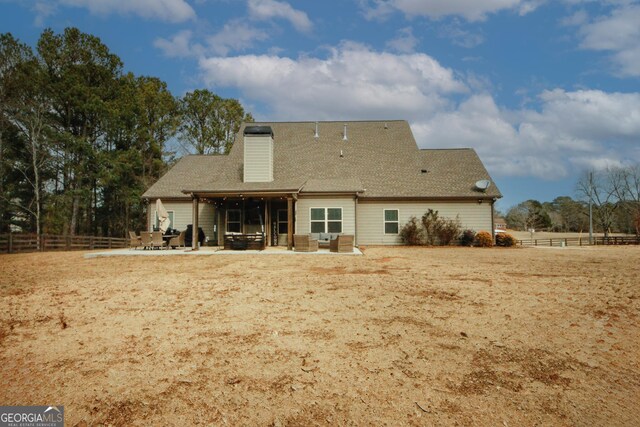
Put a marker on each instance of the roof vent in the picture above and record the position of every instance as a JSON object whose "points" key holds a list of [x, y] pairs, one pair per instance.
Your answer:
{"points": [[341, 155], [386, 126], [316, 134], [344, 137]]}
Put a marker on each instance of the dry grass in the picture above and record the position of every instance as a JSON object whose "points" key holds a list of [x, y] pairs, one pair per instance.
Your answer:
{"points": [[400, 336]]}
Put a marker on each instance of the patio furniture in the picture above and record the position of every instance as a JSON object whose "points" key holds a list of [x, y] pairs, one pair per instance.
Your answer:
{"points": [[177, 241], [134, 241], [238, 241], [304, 243], [157, 241], [324, 239], [145, 240], [342, 244]]}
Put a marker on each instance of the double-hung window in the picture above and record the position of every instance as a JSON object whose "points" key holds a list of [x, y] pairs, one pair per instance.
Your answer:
{"points": [[391, 222], [326, 220], [234, 221]]}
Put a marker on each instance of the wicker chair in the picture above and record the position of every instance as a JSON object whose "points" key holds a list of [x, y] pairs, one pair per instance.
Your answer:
{"points": [[134, 241], [178, 241], [145, 240], [341, 244], [157, 241], [304, 243]]}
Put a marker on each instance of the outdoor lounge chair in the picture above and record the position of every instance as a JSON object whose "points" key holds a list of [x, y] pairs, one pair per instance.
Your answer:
{"points": [[341, 244], [157, 241], [145, 240], [304, 243], [134, 241], [177, 241]]}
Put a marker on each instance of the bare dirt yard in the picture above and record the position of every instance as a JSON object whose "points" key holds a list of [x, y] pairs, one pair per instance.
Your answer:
{"points": [[399, 336]]}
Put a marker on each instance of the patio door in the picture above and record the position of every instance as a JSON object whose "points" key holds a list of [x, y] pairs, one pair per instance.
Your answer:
{"points": [[282, 227]]}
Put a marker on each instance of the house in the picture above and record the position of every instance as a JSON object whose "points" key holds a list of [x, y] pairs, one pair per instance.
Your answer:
{"points": [[365, 178]]}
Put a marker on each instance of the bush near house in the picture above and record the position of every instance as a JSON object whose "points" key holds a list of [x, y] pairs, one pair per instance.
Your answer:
{"points": [[411, 232], [484, 239], [431, 230], [467, 238], [505, 240]]}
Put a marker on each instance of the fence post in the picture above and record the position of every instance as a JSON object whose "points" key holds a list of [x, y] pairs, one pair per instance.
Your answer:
{"points": [[10, 247], [91, 243]]}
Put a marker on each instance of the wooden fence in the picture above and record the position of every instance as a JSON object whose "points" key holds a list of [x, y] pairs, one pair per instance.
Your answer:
{"points": [[22, 242], [582, 241]]}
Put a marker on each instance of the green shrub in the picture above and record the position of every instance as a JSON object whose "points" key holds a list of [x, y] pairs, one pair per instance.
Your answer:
{"points": [[506, 240], [467, 238], [411, 233], [484, 239]]}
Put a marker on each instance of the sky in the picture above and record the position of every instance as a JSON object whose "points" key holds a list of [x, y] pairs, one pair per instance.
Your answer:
{"points": [[543, 90]]}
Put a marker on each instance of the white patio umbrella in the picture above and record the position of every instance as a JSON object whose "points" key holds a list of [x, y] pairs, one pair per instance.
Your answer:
{"points": [[163, 216]]}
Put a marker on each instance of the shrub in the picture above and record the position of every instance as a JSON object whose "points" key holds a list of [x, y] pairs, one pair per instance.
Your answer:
{"points": [[431, 225], [506, 240], [484, 239], [448, 231], [467, 238], [411, 233]]}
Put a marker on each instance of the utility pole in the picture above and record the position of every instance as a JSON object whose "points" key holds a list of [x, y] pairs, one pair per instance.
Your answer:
{"points": [[591, 208]]}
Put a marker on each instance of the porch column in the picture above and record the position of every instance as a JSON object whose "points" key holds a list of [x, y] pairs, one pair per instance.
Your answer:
{"points": [[194, 229], [289, 223]]}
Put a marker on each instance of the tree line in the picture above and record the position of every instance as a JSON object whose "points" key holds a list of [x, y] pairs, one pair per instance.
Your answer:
{"points": [[81, 139], [614, 194]]}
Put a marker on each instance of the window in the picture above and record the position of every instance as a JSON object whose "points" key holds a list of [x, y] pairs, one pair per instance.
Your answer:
{"points": [[283, 221], [391, 223], [172, 224], [326, 220], [234, 221]]}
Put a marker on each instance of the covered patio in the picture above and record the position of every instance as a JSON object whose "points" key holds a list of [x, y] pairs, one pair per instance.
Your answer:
{"points": [[251, 220]]}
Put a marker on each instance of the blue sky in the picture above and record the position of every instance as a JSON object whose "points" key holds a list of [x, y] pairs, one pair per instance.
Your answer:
{"points": [[542, 89]]}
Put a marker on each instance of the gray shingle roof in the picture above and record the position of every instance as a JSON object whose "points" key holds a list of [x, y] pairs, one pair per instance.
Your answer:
{"points": [[379, 159]]}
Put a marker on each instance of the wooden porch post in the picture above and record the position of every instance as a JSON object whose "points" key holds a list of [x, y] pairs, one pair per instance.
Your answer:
{"points": [[194, 229], [289, 223]]}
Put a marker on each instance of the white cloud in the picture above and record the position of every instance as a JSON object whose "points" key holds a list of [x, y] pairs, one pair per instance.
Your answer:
{"points": [[352, 82], [267, 9], [166, 10], [179, 46], [405, 42], [459, 36], [570, 130], [471, 10], [567, 131], [618, 33], [235, 36]]}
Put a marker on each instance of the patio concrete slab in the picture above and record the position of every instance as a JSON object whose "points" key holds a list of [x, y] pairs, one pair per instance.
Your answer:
{"points": [[211, 251]]}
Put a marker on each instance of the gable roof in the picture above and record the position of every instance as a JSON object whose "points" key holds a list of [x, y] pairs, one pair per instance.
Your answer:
{"points": [[378, 160]]}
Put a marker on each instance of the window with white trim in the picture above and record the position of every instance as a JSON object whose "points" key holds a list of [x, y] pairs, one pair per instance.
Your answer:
{"points": [[326, 220], [172, 224], [234, 221], [391, 221]]}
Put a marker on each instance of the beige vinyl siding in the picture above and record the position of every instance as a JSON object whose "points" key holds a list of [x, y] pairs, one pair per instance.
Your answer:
{"points": [[371, 217], [183, 216], [258, 159], [303, 212]]}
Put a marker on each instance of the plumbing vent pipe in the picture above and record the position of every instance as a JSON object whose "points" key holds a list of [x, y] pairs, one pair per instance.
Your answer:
{"points": [[344, 138]]}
